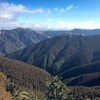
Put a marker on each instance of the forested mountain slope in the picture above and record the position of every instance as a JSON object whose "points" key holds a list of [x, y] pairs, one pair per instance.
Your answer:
{"points": [[64, 54]]}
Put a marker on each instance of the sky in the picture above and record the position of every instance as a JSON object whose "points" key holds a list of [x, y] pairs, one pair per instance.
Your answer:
{"points": [[50, 14]]}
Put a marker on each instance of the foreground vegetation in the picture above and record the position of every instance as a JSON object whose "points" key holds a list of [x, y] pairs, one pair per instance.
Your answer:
{"points": [[4, 95], [20, 81], [56, 90]]}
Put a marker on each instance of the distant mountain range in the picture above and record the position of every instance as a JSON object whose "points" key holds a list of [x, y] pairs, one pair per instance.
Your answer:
{"points": [[19, 38], [16, 39], [86, 31], [75, 58]]}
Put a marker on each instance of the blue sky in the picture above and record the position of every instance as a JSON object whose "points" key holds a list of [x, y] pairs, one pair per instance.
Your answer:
{"points": [[50, 14]]}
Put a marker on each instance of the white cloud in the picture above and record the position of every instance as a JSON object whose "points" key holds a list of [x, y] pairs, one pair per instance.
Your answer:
{"points": [[9, 11], [61, 10], [71, 25], [70, 7], [58, 10], [60, 25], [8, 24]]}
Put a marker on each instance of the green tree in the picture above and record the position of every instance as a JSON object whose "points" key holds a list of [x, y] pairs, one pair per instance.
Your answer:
{"points": [[57, 90]]}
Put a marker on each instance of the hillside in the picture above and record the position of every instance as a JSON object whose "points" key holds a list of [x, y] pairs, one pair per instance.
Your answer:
{"points": [[24, 75], [85, 75], [64, 55], [85, 93], [16, 39]]}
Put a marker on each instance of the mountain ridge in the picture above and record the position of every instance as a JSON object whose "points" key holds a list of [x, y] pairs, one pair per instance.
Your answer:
{"points": [[16, 39], [63, 53]]}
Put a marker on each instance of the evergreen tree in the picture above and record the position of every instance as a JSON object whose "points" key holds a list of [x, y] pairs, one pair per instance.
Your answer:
{"points": [[57, 90]]}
